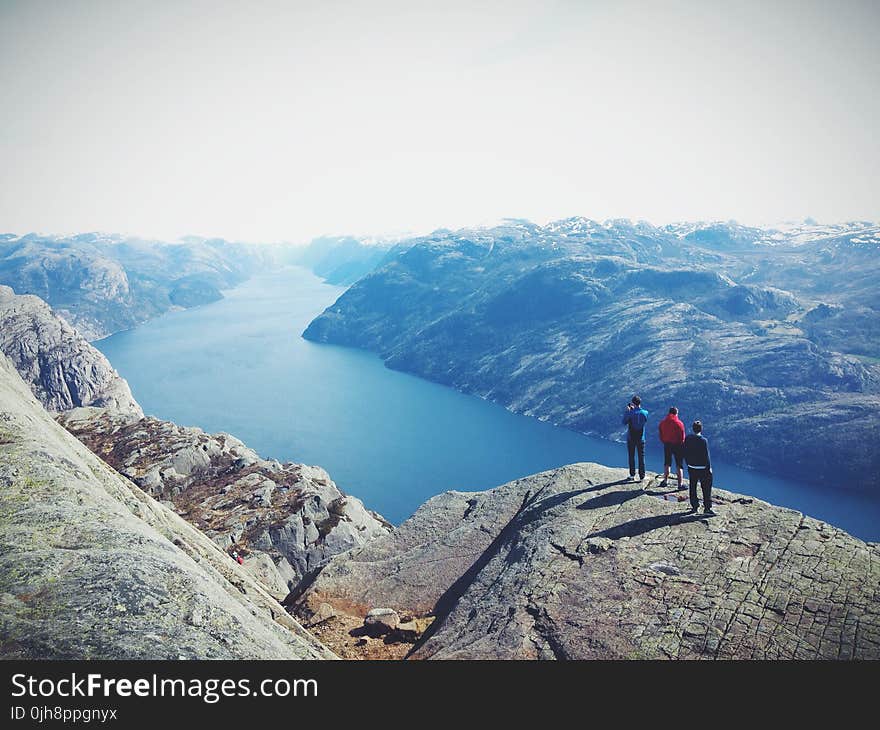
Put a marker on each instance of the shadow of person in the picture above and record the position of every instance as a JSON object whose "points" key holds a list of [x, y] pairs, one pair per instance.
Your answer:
{"points": [[640, 526], [548, 503], [611, 498]]}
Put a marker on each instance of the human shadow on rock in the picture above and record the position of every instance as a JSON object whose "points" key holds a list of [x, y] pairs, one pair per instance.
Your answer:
{"points": [[611, 499], [633, 528]]}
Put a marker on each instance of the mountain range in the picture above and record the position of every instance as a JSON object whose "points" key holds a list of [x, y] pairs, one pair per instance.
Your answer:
{"points": [[769, 336], [105, 283]]}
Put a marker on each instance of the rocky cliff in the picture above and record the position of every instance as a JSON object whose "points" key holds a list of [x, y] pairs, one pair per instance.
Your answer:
{"points": [[62, 370], [576, 563], [285, 519], [763, 335], [93, 567]]}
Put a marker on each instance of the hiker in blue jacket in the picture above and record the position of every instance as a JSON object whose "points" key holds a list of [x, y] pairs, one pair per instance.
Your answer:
{"points": [[696, 454], [634, 418]]}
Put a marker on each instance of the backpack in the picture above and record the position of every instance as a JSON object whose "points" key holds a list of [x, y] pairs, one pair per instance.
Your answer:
{"points": [[637, 420]]}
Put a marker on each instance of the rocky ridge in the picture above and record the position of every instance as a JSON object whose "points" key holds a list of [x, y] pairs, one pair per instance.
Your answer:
{"points": [[93, 567], [577, 563], [62, 370], [286, 519]]}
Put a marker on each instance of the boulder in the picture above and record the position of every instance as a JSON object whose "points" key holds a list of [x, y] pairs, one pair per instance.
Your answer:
{"points": [[324, 613], [261, 567], [380, 621]]}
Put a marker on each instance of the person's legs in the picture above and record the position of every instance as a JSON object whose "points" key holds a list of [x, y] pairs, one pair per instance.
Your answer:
{"points": [[667, 462], [631, 448], [695, 502], [706, 483], [677, 452], [641, 447]]}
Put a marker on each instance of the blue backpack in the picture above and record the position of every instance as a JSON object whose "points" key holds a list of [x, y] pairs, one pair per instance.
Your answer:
{"points": [[637, 420]]}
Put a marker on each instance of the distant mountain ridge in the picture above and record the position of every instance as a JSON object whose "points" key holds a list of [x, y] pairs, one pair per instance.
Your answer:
{"points": [[341, 260], [767, 335], [104, 283]]}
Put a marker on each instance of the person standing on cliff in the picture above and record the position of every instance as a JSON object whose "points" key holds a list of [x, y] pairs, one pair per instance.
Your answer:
{"points": [[634, 418], [696, 454], [672, 434]]}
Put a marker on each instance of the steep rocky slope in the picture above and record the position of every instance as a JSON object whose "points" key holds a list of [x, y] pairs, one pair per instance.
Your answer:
{"points": [[60, 367], [291, 513], [285, 519], [92, 567], [578, 564], [755, 332]]}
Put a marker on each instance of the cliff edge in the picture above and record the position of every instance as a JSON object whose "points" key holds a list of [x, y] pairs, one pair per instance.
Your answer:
{"points": [[576, 563]]}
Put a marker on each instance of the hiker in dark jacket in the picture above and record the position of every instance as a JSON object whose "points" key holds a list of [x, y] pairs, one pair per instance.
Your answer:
{"points": [[696, 454], [634, 418], [672, 435]]}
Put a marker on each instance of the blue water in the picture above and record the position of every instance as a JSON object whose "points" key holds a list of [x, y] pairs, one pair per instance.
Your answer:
{"points": [[239, 365]]}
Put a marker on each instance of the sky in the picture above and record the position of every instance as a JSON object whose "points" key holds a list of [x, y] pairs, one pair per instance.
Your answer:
{"points": [[268, 121]]}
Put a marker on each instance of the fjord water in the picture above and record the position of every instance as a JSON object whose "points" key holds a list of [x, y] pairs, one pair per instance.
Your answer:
{"points": [[240, 365]]}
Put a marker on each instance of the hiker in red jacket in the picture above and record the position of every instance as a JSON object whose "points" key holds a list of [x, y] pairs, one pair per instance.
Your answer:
{"points": [[672, 435]]}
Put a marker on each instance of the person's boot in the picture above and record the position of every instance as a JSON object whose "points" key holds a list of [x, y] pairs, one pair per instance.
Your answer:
{"points": [[708, 512]]}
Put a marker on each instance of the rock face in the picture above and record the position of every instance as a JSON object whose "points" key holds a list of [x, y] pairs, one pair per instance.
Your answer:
{"points": [[763, 335], [291, 513], [94, 568], [62, 370], [577, 564], [261, 567]]}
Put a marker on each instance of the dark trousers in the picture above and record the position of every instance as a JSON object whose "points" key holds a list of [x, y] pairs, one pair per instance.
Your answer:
{"points": [[703, 477], [632, 446]]}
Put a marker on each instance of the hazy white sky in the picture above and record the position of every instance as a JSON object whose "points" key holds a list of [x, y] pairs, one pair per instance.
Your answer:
{"points": [[283, 120]]}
